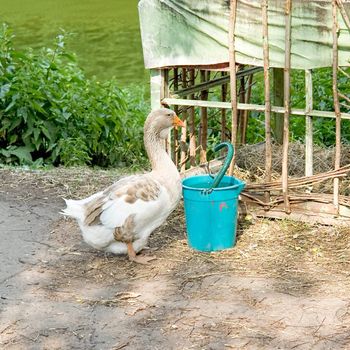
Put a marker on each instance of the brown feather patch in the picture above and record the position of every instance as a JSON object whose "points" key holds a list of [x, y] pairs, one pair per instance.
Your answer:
{"points": [[146, 190], [140, 188], [130, 199], [93, 211], [126, 233], [133, 189]]}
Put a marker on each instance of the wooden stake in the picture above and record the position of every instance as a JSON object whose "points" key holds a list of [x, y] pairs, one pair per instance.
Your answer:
{"points": [[192, 126], [268, 145], [287, 64], [204, 122], [336, 105], [233, 86], [184, 129]]}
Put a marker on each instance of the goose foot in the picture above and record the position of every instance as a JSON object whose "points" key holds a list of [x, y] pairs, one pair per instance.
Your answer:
{"points": [[140, 259]]}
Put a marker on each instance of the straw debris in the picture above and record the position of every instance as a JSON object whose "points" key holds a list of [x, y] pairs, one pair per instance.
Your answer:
{"points": [[293, 253]]}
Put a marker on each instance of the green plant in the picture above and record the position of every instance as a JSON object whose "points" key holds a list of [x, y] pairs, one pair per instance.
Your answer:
{"points": [[324, 128], [51, 113]]}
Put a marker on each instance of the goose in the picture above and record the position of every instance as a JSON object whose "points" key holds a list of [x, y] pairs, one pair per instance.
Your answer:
{"points": [[121, 218]]}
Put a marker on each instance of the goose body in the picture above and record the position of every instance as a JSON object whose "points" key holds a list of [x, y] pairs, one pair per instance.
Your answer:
{"points": [[121, 218]]}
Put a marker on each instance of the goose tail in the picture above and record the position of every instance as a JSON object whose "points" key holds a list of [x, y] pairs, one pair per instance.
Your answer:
{"points": [[77, 208], [74, 209]]}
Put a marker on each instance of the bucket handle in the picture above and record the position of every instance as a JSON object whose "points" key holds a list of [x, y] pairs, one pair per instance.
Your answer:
{"points": [[221, 173]]}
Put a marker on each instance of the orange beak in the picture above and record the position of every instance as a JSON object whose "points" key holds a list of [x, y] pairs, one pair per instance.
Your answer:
{"points": [[178, 122]]}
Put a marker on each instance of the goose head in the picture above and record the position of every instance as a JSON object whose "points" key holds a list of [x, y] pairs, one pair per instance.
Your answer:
{"points": [[159, 122]]}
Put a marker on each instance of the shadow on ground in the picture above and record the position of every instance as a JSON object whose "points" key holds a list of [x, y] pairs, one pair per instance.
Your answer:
{"points": [[284, 285]]}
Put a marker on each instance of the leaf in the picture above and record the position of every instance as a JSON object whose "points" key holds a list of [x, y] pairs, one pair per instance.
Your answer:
{"points": [[23, 112], [22, 153], [66, 115], [6, 122], [46, 132], [10, 105], [71, 57], [36, 134], [13, 138], [16, 122], [38, 107], [38, 162], [4, 89]]}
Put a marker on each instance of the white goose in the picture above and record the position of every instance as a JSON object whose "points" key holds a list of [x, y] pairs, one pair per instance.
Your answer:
{"points": [[121, 218]]}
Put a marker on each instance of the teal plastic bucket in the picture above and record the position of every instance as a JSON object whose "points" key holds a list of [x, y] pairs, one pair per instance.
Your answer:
{"points": [[211, 218]]}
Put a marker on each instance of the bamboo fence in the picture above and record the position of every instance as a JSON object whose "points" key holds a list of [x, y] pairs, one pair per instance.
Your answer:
{"points": [[192, 87]]}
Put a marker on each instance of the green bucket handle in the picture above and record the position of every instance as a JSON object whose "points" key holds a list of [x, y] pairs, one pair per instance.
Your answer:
{"points": [[221, 173]]}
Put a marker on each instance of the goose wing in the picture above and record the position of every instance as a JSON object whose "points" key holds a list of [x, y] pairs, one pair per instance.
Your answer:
{"points": [[139, 197]]}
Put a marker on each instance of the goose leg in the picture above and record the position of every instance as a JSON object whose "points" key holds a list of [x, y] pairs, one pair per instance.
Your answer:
{"points": [[140, 259]]}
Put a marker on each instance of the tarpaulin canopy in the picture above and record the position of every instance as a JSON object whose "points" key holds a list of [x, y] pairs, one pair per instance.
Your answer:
{"points": [[194, 33]]}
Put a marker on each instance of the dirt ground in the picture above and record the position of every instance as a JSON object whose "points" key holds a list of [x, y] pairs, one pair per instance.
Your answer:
{"points": [[284, 285]]}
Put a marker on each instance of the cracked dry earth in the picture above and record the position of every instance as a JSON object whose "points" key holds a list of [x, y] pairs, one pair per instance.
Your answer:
{"points": [[57, 293]]}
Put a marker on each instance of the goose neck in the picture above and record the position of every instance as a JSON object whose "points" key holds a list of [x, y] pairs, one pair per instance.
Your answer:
{"points": [[155, 148]]}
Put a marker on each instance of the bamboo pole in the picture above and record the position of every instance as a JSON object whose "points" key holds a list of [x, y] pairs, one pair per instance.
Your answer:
{"points": [[278, 100], [308, 124], [343, 12], [287, 64], [252, 107], [301, 181], [268, 145], [335, 30], [223, 110], [216, 82], [345, 105], [343, 71], [241, 94], [233, 86], [346, 98], [192, 126], [246, 112], [204, 122], [176, 133], [309, 144], [184, 129], [165, 94]]}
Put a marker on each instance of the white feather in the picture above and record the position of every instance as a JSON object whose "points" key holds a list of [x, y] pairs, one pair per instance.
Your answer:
{"points": [[117, 210], [148, 216], [121, 248], [75, 208], [98, 236]]}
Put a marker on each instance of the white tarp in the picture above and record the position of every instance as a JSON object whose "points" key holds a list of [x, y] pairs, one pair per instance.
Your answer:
{"points": [[188, 32]]}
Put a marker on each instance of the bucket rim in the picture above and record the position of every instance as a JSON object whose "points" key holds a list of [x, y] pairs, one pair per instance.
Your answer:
{"points": [[234, 186]]}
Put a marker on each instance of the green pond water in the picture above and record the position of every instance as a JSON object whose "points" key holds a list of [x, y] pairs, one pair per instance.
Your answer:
{"points": [[106, 37]]}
